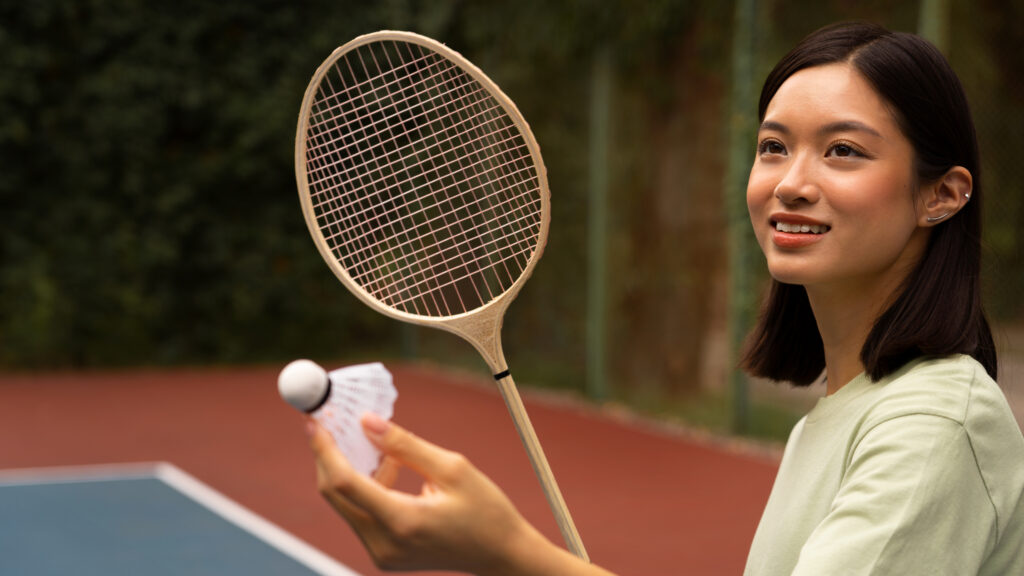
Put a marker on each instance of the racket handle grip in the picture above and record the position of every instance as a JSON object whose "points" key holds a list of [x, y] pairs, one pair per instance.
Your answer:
{"points": [[540, 466]]}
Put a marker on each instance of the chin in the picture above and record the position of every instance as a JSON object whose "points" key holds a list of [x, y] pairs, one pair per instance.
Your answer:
{"points": [[787, 275]]}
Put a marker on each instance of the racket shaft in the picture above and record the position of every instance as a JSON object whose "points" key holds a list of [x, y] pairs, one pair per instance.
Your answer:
{"points": [[541, 468]]}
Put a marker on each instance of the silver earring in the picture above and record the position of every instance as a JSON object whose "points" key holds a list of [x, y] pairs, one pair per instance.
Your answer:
{"points": [[937, 218], [967, 196]]}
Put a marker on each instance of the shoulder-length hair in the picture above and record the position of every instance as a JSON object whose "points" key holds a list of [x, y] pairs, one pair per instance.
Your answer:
{"points": [[938, 308]]}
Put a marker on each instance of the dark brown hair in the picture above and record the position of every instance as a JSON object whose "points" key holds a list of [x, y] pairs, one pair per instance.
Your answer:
{"points": [[938, 310]]}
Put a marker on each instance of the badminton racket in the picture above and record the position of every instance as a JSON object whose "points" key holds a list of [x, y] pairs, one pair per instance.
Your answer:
{"points": [[425, 192]]}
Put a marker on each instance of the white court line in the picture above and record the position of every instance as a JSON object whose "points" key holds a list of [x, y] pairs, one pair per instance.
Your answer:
{"points": [[250, 522], [76, 474], [189, 486]]}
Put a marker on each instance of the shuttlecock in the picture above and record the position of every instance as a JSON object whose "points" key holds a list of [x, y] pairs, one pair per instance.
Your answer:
{"points": [[338, 399]]}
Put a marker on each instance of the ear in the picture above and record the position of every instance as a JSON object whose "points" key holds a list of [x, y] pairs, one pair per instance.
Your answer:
{"points": [[944, 197]]}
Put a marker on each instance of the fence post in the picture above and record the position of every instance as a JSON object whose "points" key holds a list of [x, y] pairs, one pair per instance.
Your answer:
{"points": [[597, 225], [933, 22], [741, 125]]}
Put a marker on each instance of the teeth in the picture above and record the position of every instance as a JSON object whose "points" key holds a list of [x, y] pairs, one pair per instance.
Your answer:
{"points": [[801, 228]]}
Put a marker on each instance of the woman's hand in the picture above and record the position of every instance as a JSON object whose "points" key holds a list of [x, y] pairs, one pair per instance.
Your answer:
{"points": [[460, 520]]}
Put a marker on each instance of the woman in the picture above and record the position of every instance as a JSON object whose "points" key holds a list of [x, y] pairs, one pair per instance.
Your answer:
{"points": [[864, 197]]}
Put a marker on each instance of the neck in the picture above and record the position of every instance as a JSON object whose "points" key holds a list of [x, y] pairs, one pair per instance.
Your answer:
{"points": [[846, 309], [843, 332], [845, 315]]}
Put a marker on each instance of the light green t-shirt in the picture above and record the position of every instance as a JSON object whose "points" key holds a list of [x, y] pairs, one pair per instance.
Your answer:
{"points": [[921, 472]]}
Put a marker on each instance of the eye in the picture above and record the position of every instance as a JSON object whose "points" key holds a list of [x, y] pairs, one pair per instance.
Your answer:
{"points": [[843, 150], [770, 146]]}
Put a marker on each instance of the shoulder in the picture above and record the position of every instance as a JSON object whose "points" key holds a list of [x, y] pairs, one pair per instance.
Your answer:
{"points": [[956, 393], [953, 387]]}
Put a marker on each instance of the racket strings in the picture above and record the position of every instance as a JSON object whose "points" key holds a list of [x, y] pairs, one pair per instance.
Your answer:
{"points": [[514, 200], [365, 226], [423, 188], [386, 291], [510, 229], [314, 164], [341, 97], [470, 169], [380, 169], [495, 257], [330, 146], [326, 172], [409, 241], [373, 186], [504, 179], [462, 196], [470, 261]]}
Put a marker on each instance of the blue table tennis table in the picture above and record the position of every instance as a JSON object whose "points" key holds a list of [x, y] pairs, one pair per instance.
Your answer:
{"points": [[139, 519]]}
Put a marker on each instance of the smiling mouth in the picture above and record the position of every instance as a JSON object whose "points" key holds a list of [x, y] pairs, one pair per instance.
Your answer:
{"points": [[801, 228]]}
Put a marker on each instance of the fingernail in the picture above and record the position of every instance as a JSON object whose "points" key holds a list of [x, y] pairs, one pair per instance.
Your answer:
{"points": [[310, 427], [374, 424]]}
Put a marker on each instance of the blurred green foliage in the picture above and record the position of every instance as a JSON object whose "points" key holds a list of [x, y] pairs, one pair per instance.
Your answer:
{"points": [[149, 205], [148, 199]]}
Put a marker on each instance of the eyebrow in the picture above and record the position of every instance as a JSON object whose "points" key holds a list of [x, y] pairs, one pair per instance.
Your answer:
{"points": [[831, 128]]}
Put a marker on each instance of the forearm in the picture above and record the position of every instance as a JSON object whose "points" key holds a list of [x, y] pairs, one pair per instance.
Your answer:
{"points": [[531, 554]]}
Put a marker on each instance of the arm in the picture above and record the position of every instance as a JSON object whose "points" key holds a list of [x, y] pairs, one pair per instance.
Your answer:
{"points": [[912, 501], [459, 521]]}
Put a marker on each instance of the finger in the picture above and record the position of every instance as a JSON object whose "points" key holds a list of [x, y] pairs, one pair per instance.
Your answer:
{"points": [[335, 476], [429, 460], [368, 528], [353, 514], [387, 473]]}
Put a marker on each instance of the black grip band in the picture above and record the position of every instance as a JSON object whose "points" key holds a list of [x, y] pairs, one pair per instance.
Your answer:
{"points": [[501, 375]]}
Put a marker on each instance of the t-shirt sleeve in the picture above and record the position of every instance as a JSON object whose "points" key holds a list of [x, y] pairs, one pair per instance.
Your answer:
{"points": [[911, 501]]}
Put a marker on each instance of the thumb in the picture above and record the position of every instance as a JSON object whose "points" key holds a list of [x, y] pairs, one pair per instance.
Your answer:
{"points": [[428, 460], [336, 477], [322, 443]]}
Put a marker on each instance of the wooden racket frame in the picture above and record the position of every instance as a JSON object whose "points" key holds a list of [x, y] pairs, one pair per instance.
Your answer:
{"points": [[480, 327]]}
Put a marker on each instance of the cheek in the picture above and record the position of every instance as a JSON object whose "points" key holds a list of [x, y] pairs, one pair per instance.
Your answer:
{"points": [[759, 192], [883, 201], [879, 220]]}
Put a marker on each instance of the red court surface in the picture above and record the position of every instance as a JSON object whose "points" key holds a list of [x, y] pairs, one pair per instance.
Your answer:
{"points": [[646, 501]]}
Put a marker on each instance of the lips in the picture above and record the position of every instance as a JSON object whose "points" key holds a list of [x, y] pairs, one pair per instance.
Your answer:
{"points": [[791, 231], [801, 228]]}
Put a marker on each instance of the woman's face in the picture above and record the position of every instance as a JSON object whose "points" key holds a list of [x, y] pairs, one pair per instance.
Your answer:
{"points": [[832, 194]]}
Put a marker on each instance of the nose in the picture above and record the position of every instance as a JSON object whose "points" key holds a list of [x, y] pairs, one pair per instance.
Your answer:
{"points": [[799, 183]]}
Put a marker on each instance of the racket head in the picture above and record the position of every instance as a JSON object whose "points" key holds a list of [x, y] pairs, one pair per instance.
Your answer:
{"points": [[421, 183]]}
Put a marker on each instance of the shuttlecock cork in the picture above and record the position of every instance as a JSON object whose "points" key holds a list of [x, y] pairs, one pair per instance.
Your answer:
{"points": [[304, 385], [338, 399]]}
